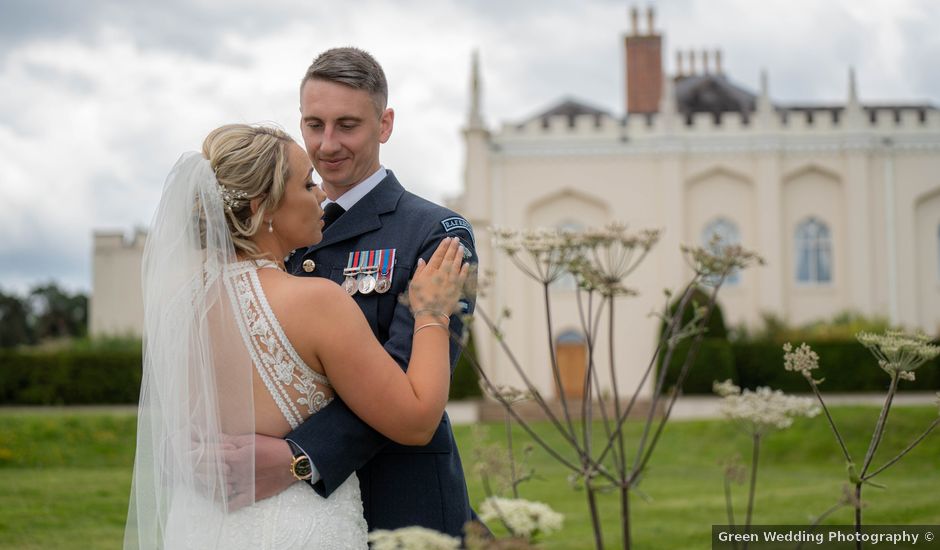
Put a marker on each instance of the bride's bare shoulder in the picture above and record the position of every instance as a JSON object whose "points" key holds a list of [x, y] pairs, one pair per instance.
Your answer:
{"points": [[313, 290], [328, 299], [306, 305]]}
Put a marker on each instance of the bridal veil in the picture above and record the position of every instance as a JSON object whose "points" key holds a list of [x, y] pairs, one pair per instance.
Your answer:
{"points": [[196, 393]]}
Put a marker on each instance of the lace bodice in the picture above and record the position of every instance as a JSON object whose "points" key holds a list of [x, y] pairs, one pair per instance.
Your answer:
{"points": [[298, 390]]}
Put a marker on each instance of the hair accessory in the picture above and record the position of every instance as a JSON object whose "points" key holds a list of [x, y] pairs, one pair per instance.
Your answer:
{"points": [[233, 200]]}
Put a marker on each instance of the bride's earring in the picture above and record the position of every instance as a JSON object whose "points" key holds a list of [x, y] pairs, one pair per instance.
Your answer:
{"points": [[271, 226]]}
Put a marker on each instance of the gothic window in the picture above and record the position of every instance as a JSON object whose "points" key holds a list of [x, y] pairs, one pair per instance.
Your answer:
{"points": [[813, 252], [719, 233]]}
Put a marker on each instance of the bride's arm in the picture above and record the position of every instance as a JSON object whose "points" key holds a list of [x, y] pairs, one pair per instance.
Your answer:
{"points": [[404, 406]]}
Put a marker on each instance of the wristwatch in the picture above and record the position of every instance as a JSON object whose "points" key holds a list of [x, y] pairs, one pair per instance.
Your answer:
{"points": [[300, 466]]}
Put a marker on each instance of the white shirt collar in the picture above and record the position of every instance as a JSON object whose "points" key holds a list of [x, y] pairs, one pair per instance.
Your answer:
{"points": [[348, 199]]}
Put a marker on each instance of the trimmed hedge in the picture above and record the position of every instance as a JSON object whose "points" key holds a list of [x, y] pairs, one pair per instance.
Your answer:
{"points": [[715, 361], [69, 377], [99, 376], [464, 384], [845, 366]]}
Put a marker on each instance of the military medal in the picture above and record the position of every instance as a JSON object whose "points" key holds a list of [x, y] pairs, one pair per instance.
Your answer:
{"points": [[350, 284], [367, 282], [366, 278], [369, 271], [387, 263]]}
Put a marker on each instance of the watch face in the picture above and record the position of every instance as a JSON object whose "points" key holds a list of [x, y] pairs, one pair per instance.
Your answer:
{"points": [[301, 468]]}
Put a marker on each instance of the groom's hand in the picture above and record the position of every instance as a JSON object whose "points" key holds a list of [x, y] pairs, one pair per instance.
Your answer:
{"points": [[272, 466], [272, 458]]}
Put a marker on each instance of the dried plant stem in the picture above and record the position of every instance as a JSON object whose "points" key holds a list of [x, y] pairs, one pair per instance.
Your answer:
{"points": [[595, 516], [729, 506], [880, 427], [832, 423], [555, 371], [644, 455], [625, 514], [522, 423], [907, 449], [832, 509], [753, 489], [512, 458], [872, 447], [536, 396], [671, 329]]}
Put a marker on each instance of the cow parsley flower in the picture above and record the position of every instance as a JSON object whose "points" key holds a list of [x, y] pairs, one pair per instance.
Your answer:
{"points": [[899, 352], [802, 360], [762, 410], [412, 538], [522, 517]]}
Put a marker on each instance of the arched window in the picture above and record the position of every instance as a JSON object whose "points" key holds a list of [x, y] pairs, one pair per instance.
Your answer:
{"points": [[813, 252], [567, 281], [727, 234]]}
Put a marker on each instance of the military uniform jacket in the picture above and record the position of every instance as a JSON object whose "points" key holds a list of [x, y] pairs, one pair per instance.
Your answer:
{"points": [[401, 486]]}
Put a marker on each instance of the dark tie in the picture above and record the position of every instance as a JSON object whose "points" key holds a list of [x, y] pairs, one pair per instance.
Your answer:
{"points": [[331, 213]]}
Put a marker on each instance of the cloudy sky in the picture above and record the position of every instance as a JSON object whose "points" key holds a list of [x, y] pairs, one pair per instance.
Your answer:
{"points": [[98, 98]]}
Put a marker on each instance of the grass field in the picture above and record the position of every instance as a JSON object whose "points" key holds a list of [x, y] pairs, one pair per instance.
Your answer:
{"points": [[65, 477]]}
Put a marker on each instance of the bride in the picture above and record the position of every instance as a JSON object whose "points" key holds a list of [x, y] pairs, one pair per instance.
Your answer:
{"points": [[235, 346]]}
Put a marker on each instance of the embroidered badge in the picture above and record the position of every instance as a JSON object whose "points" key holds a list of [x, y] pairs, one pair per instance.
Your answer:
{"points": [[457, 223]]}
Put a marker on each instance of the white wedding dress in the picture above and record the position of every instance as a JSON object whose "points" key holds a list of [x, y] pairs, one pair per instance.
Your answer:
{"points": [[297, 518]]}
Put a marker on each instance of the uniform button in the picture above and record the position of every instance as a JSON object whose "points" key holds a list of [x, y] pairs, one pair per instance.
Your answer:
{"points": [[309, 266]]}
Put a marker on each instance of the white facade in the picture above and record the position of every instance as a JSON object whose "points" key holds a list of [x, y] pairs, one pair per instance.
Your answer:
{"points": [[861, 185], [117, 306]]}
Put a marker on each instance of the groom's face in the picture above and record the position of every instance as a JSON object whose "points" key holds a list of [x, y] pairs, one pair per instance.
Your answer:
{"points": [[342, 131]]}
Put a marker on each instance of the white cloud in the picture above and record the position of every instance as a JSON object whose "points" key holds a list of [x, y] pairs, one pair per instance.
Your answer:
{"points": [[94, 112]]}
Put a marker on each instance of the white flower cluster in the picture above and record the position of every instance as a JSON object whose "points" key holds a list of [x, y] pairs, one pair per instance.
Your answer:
{"points": [[412, 538], [803, 359], [899, 352], [522, 517], [763, 409], [505, 393], [598, 258]]}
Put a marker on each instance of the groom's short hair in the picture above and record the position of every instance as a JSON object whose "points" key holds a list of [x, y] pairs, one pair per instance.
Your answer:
{"points": [[351, 67]]}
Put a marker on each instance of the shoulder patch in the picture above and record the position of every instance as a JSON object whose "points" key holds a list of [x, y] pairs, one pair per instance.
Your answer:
{"points": [[457, 223]]}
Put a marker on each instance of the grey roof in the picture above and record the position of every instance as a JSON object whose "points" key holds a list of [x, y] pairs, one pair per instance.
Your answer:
{"points": [[711, 93], [716, 94], [570, 108]]}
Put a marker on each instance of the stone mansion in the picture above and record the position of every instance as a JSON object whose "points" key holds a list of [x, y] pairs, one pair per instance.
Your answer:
{"points": [[841, 200]]}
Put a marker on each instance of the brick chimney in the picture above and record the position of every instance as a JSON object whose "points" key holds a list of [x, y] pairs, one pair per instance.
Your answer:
{"points": [[644, 65]]}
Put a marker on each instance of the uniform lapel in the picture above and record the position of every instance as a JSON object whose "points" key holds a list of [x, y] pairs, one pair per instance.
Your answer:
{"points": [[364, 215]]}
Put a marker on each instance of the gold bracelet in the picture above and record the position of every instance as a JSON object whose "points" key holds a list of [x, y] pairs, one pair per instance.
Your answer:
{"points": [[426, 325], [434, 312]]}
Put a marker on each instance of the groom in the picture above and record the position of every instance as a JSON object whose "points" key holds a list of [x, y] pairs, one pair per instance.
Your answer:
{"points": [[374, 233]]}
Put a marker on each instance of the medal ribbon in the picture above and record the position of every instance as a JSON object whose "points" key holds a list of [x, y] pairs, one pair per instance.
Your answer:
{"points": [[391, 264]]}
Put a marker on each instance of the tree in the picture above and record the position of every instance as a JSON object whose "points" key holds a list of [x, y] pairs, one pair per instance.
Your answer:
{"points": [[57, 314], [14, 321]]}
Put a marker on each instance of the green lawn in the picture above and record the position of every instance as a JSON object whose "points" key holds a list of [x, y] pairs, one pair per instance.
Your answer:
{"points": [[64, 479]]}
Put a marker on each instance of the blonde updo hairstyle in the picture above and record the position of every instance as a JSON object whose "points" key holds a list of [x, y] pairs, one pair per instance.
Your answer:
{"points": [[252, 159]]}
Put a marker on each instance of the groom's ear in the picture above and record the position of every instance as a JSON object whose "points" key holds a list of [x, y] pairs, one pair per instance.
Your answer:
{"points": [[386, 122]]}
